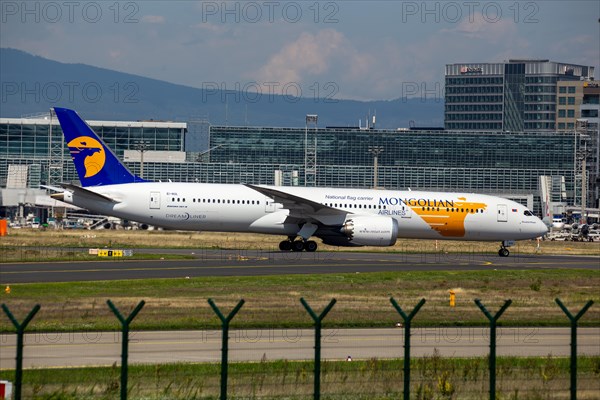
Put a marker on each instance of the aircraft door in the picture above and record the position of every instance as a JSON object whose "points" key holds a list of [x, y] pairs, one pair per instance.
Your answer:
{"points": [[269, 205], [154, 200], [502, 213], [405, 211]]}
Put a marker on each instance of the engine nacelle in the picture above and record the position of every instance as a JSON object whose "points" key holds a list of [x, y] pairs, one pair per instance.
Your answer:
{"points": [[585, 230], [370, 231]]}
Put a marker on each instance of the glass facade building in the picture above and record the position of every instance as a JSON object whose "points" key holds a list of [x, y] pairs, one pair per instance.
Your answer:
{"points": [[40, 142], [513, 96], [485, 162]]}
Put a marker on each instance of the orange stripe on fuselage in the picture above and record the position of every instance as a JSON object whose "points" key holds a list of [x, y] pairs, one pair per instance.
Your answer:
{"points": [[449, 221]]}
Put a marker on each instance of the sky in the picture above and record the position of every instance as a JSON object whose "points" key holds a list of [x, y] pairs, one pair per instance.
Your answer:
{"points": [[363, 50]]}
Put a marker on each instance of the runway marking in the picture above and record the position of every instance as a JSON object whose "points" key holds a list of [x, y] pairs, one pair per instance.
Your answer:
{"points": [[285, 266]]}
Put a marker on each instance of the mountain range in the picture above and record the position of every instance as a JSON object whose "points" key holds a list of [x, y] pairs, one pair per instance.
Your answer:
{"points": [[33, 84]]}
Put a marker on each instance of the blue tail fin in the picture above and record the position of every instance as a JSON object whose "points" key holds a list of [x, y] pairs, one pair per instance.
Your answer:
{"points": [[96, 164]]}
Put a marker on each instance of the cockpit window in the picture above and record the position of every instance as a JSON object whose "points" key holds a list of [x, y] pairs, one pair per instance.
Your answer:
{"points": [[528, 213]]}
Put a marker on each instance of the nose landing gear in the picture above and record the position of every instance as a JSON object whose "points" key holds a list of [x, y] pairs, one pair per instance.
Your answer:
{"points": [[503, 252]]}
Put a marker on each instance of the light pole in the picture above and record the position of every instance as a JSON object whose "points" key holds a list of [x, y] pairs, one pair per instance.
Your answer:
{"points": [[310, 151], [375, 151], [142, 146]]}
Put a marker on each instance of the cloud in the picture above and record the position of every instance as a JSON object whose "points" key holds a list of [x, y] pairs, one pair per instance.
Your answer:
{"points": [[479, 27], [309, 54], [208, 27], [316, 61], [153, 19], [585, 46]]}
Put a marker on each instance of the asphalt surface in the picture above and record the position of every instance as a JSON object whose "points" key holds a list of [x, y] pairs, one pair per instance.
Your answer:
{"points": [[258, 262], [102, 348], [73, 349]]}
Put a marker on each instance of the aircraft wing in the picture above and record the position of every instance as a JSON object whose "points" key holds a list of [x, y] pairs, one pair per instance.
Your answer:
{"points": [[78, 190], [298, 206]]}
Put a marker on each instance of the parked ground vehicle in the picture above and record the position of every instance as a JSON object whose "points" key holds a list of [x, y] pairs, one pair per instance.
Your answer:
{"points": [[559, 236]]}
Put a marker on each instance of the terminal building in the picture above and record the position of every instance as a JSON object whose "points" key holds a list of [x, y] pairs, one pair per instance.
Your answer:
{"points": [[514, 96], [535, 168]]}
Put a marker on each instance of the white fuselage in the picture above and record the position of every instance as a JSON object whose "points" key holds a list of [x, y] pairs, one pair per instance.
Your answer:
{"points": [[237, 208]]}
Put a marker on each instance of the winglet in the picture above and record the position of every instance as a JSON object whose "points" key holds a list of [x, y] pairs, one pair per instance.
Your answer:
{"points": [[95, 163]]}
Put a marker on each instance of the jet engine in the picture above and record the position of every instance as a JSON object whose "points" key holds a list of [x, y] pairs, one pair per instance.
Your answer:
{"points": [[365, 231]]}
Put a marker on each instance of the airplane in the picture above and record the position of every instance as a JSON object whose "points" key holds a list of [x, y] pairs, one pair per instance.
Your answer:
{"points": [[339, 217]]}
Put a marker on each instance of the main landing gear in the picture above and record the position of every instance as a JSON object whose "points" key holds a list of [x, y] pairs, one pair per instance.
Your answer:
{"points": [[298, 245]]}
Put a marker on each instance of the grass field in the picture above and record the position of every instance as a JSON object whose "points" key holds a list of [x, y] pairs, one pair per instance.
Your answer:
{"points": [[273, 301], [431, 378], [215, 240]]}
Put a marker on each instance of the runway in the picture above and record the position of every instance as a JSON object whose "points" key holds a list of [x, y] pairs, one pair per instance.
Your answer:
{"points": [[259, 262], [72, 349]]}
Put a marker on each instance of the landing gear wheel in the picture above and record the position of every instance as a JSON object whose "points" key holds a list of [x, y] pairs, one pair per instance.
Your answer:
{"points": [[285, 245], [310, 246], [503, 252], [297, 245]]}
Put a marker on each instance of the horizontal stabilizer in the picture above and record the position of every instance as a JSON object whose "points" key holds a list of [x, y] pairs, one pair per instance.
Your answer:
{"points": [[79, 191]]}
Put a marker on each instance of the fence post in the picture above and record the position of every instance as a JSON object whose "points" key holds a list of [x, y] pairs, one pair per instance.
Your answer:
{"points": [[493, 319], [125, 322], [573, 363], [318, 324], [225, 342], [407, 322], [20, 333]]}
